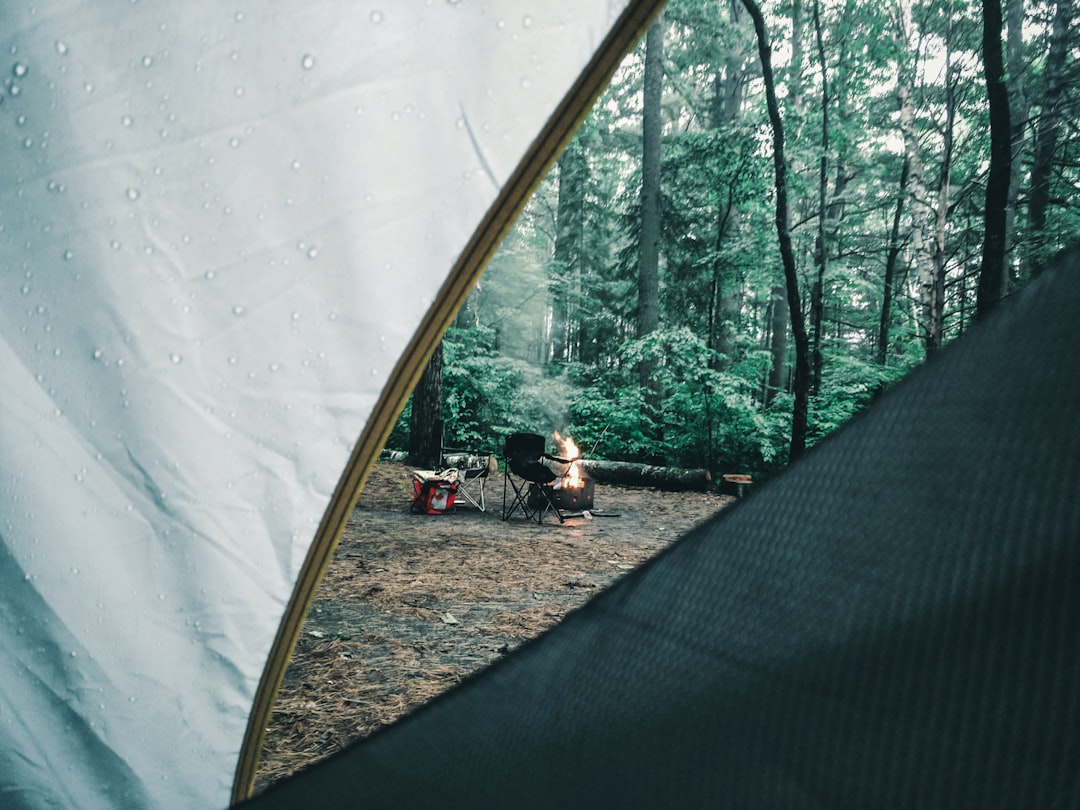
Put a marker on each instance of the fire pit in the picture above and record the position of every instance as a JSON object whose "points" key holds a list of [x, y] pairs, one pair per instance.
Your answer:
{"points": [[571, 498], [571, 492]]}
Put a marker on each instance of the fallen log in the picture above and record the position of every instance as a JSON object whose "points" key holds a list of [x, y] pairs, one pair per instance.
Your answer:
{"points": [[670, 479]]}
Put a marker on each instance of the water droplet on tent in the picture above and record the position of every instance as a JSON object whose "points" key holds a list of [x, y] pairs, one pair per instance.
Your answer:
{"points": [[133, 193], [19, 69], [313, 251], [176, 359], [114, 245], [274, 367], [74, 654], [238, 310], [500, 24], [295, 165], [232, 361], [209, 275], [88, 87], [307, 62], [98, 354], [239, 16], [132, 699], [525, 83], [57, 352], [239, 91], [147, 61], [74, 570], [69, 255], [332, 316], [376, 16], [296, 316], [527, 21], [27, 143], [25, 290], [61, 47], [161, 597], [234, 142], [127, 120], [20, 120]]}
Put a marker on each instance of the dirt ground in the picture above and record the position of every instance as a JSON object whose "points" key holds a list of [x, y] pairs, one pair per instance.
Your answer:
{"points": [[412, 604]]}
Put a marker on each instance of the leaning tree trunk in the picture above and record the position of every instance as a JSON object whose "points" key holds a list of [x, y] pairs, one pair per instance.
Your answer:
{"points": [[426, 420], [801, 385], [992, 272]]}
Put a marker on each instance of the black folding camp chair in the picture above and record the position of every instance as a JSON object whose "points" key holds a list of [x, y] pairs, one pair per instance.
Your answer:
{"points": [[473, 468], [529, 478]]}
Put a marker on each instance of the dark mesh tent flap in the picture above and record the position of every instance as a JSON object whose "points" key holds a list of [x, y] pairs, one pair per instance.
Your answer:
{"points": [[891, 623]]}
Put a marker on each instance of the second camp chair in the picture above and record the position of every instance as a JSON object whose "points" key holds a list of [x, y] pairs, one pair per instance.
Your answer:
{"points": [[473, 467], [527, 474]]}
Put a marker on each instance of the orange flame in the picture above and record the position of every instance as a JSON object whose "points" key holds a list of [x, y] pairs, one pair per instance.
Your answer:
{"points": [[568, 449]]}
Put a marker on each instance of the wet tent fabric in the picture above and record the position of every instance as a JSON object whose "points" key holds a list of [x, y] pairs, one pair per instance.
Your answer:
{"points": [[221, 227], [893, 622]]}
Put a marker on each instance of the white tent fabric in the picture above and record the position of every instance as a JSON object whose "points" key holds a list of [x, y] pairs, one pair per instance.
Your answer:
{"points": [[220, 227]]}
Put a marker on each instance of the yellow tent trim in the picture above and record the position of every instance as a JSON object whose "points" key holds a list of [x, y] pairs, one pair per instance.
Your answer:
{"points": [[543, 152]]}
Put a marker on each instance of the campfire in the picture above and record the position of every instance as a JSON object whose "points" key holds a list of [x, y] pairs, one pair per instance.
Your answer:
{"points": [[573, 490]]}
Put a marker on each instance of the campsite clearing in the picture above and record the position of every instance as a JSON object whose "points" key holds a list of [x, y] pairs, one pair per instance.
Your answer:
{"points": [[413, 604]]}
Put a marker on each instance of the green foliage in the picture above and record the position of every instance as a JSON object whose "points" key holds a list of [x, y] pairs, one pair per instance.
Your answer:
{"points": [[706, 417], [549, 339], [849, 383]]}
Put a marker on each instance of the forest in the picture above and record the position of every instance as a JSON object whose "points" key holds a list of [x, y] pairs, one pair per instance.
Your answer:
{"points": [[773, 213]]}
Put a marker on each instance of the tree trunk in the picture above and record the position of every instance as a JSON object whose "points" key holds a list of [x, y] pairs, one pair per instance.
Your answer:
{"points": [[934, 307], [648, 313], [1046, 139], [426, 421], [992, 272], [890, 271], [778, 349], [801, 387], [821, 246], [670, 479], [1018, 113], [566, 270], [648, 316], [922, 244]]}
